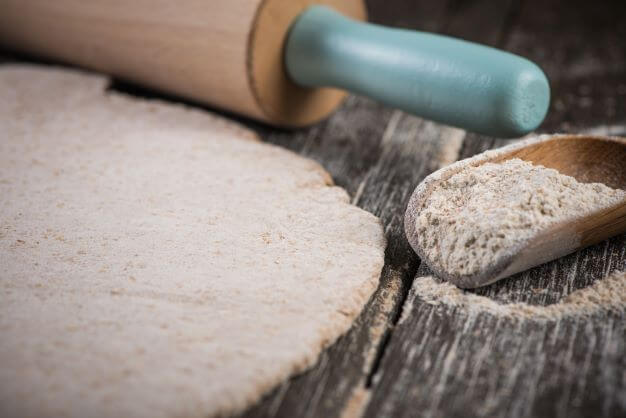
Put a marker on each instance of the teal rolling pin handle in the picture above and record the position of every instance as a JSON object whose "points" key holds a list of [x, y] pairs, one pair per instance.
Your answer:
{"points": [[448, 80]]}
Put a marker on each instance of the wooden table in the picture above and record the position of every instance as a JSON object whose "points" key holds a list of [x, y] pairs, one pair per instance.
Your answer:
{"points": [[439, 362]]}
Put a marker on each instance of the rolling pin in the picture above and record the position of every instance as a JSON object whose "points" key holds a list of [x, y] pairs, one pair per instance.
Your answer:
{"points": [[284, 62]]}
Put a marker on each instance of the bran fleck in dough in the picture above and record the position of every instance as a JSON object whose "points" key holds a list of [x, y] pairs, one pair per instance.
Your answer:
{"points": [[159, 261]]}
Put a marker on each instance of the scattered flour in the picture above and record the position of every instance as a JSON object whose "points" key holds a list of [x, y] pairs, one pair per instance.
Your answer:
{"points": [[355, 407], [479, 215], [604, 295]]}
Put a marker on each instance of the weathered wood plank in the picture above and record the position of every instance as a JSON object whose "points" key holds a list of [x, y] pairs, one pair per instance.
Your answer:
{"points": [[438, 360], [483, 21], [383, 190], [455, 364], [581, 47], [422, 15]]}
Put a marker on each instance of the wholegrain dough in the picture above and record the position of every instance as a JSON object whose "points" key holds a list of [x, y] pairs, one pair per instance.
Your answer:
{"points": [[160, 261]]}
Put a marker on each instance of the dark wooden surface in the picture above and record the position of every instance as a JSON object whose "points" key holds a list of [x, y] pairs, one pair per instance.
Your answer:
{"points": [[438, 361]]}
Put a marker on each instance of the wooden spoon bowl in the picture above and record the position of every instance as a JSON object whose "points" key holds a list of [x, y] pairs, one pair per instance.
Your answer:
{"points": [[589, 159]]}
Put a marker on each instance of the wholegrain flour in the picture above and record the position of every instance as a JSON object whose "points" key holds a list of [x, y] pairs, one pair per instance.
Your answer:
{"points": [[483, 213], [603, 296]]}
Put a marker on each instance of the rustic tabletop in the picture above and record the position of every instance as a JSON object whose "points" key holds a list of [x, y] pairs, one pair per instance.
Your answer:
{"points": [[437, 361]]}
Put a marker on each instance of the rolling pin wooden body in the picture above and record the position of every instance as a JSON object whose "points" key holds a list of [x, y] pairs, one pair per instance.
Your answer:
{"points": [[286, 62], [226, 53]]}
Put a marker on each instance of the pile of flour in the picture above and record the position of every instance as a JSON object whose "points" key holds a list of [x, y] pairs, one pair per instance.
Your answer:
{"points": [[482, 213]]}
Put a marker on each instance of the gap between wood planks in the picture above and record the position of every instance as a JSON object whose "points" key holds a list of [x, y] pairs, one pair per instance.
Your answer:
{"points": [[499, 38], [384, 341], [448, 152]]}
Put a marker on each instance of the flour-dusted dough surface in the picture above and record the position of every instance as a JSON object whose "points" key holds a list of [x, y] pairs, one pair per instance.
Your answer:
{"points": [[159, 261]]}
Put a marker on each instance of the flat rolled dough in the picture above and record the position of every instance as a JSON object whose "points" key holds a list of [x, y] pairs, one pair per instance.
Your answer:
{"points": [[159, 261]]}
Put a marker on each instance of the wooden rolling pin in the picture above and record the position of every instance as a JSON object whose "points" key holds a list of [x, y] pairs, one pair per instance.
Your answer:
{"points": [[283, 61]]}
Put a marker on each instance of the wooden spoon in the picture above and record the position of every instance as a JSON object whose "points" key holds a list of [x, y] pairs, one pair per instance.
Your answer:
{"points": [[589, 159]]}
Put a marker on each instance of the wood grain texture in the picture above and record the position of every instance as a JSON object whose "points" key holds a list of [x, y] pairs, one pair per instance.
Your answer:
{"points": [[438, 362], [442, 361]]}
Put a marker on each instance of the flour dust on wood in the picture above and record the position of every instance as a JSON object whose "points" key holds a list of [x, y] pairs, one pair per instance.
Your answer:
{"points": [[603, 296]]}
